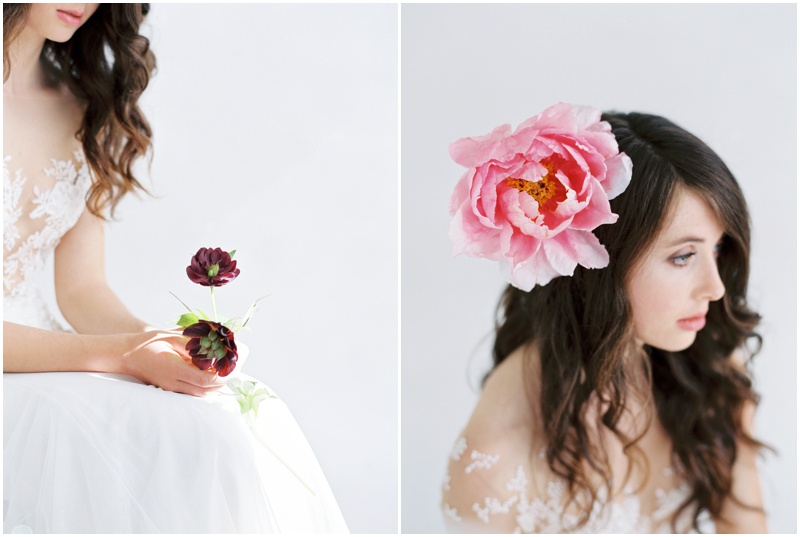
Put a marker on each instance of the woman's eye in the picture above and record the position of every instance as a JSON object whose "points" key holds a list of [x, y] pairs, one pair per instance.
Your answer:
{"points": [[682, 260]]}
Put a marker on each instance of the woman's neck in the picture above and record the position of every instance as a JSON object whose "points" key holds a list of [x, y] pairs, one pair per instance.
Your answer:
{"points": [[26, 75]]}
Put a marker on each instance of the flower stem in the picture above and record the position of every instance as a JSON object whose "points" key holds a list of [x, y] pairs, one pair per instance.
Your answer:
{"points": [[213, 304], [300, 479]]}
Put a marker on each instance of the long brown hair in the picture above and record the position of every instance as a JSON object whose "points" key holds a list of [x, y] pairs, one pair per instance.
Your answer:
{"points": [[107, 65], [582, 327]]}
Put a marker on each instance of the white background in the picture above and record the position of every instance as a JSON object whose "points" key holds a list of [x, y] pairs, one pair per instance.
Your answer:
{"points": [[275, 133], [726, 73]]}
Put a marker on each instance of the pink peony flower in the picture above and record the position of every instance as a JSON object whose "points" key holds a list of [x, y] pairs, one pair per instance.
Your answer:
{"points": [[531, 199]]}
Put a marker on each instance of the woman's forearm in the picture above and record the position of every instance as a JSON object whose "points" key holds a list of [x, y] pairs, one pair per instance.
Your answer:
{"points": [[154, 358], [28, 349], [97, 310]]}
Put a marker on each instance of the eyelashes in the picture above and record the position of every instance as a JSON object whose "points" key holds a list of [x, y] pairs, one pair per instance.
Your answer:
{"points": [[683, 259]]}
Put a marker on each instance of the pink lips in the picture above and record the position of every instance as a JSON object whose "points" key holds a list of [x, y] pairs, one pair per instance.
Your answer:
{"points": [[694, 324], [70, 16]]}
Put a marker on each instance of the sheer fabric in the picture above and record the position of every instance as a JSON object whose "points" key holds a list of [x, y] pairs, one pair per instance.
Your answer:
{"points": [[489, 489], [101, 453]]}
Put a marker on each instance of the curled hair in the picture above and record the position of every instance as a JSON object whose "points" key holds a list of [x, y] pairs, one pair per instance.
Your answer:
{"points": [[582, 328], [107, 65]]}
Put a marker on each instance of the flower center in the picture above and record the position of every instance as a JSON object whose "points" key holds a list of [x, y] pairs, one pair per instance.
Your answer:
{"points": [[213, 270], [212, 345], [548, 191]]}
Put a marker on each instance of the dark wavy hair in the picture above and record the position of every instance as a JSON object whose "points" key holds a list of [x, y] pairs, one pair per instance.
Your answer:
{"points": [[582, 328], [106, 65]]}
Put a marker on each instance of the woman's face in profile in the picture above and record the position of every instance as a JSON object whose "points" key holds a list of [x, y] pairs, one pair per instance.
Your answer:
{"points": [[58, 22], [671, 288]]}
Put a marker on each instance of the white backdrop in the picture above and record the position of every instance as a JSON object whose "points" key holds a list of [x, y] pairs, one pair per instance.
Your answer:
{"points": [[726, 73], [275, 133]]}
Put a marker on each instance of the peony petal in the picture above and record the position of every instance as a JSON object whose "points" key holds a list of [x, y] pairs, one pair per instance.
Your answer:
{"points": [[483, 175], [536, 270], [581, 246], [585, 116], [561, 254], [496, 176], [472, 238], [601, 140], [461, 192], [596, 212], [472, 152], [590, 161], [522, 212], [563, 117], [522, 248], [618, 176]]}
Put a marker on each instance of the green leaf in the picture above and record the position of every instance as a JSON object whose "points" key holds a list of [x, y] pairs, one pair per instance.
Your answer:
{"points": [[231, 253], [251, 311], [234, 324], [257, 399], [187, 319]]}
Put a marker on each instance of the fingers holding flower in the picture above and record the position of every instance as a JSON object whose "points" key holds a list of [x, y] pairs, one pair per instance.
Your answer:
{"points": [[157, 358]]}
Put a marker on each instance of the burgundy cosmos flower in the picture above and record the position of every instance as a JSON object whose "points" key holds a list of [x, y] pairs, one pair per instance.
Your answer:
{"points": [[211, 346], [212, 267]]}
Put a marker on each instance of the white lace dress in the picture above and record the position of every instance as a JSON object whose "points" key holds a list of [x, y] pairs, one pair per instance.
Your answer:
{"points": [[486, 490], [98, 453]]}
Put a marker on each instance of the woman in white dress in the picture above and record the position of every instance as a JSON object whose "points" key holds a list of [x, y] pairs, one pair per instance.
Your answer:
{"points": [[618, 401], [107, 428]]}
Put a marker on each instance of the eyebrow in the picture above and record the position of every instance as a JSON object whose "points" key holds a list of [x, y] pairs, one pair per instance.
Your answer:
{"points": [[676, 242], [685, 239]]}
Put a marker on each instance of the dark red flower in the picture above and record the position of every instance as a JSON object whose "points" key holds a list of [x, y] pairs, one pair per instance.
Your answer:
{"points": [[211, 346], [212, 267]]}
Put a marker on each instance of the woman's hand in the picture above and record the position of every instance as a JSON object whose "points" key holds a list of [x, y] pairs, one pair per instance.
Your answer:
{"points": [[156, 358]]}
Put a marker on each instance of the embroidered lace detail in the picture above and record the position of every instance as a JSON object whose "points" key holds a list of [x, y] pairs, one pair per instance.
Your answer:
{"points": [[458, 449], [451, 512], [492, 506], [58, 205], [12, 190], [481, 460], [517, 507]]}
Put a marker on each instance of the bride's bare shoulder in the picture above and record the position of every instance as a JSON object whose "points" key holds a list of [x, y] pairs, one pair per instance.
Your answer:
{"points": [[504, 410], [497, 453]]}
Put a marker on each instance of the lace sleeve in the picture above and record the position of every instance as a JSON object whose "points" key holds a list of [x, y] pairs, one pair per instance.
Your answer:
{"points": [[489, 489], [482, 491]]}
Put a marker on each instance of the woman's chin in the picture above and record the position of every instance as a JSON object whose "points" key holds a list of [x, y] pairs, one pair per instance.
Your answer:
{"points": [[679, 343]]}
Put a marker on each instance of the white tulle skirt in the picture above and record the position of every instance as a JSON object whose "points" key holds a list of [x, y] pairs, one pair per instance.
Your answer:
{"points": [[99, 453]]}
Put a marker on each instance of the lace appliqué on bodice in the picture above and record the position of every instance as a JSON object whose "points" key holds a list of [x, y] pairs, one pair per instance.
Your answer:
{"points": [[516, 508], [58, 206]]}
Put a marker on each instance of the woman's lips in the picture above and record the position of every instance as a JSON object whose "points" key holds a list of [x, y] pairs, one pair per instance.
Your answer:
{"points": [[73, 18], [694, 324]]}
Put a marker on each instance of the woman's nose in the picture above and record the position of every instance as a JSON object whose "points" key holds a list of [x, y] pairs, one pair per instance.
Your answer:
{"points": [[711, 288]]}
